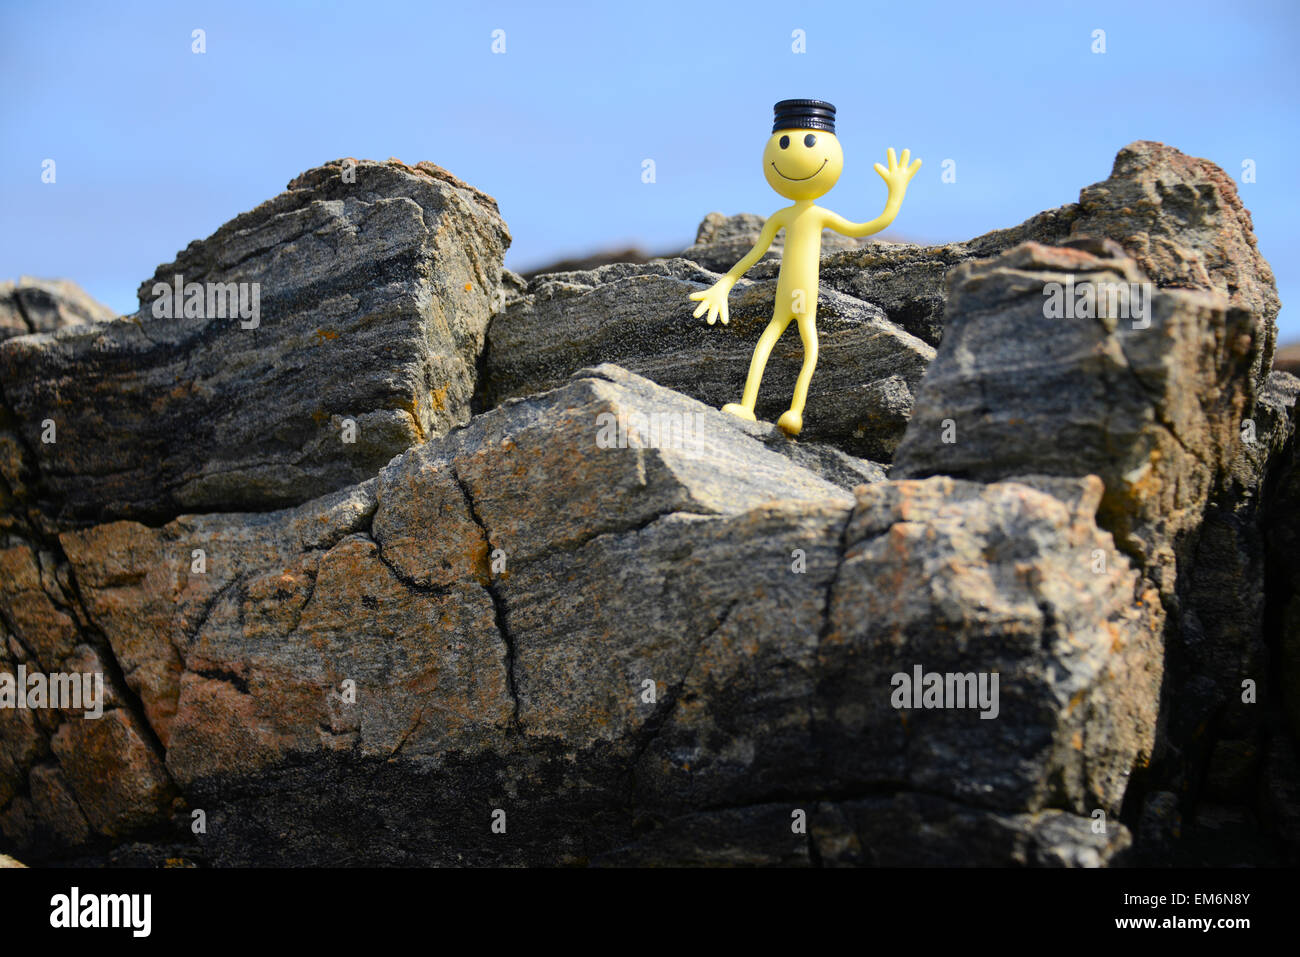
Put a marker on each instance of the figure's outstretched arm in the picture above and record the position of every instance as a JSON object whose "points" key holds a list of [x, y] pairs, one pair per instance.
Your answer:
{"points": [[765, 238], [896, 177], [714, 299]]}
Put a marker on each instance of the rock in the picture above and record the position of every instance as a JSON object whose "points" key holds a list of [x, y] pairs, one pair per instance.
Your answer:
{"points": [[496, 658], [66, 779], [1280, 520], [1161, 823], [1183, 221], [927, 581], [1280, 784], [634, 628], [1152, 405], [46, 305], [375, 284], [1169, 417], [906, 830], [731, 837], [7, 861], [919, 830], [639, 317], [361, 577], [627, 254], [1226, 626], [1286, 358]]}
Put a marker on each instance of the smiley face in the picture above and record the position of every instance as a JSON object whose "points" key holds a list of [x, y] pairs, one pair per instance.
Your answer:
{"points": [[802, 164]]}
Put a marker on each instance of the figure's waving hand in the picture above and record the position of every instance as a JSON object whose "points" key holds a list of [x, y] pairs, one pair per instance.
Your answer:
{"points": [[898, 174]]}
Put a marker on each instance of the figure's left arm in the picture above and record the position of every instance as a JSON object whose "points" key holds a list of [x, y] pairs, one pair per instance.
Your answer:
{"points": [[896, 177]]}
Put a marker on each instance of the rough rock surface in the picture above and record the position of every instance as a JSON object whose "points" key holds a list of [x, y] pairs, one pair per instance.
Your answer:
{"points": [[727, 553], [1164, 408], [376, 283], [640, 317], [1179, 217], [1149, 397], [631, 629], [1281, 522], [45, 305]]}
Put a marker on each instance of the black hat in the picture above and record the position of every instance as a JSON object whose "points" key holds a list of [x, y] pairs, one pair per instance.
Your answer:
{"points": [[804, 115]]}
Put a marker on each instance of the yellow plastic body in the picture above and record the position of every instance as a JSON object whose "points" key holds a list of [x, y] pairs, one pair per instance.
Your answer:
{"points": [[801, 165]]}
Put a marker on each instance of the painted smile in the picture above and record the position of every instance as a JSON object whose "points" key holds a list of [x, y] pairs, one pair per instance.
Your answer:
{"points": [[800, 179]]}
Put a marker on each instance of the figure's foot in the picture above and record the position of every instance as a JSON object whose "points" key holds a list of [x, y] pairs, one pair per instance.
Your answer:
{"points": [[739, 410], [791, 422]]}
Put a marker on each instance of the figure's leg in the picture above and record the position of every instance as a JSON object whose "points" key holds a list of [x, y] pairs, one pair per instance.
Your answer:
{"points": [[745, 409], [792, 421]]}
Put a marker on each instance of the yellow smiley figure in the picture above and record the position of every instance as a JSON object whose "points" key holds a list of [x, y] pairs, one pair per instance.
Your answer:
{"points": [[801, 161]]}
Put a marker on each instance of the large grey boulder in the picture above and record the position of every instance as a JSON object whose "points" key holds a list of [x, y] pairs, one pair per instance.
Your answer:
{"points": [[1164, 408], [1152, 403], [600, 609], [373, 286]]}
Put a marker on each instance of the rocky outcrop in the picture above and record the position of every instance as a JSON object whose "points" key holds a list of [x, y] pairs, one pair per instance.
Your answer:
{"points": [[424, 626], [312, 339], [1180, 218], [599, 622], [46, 305]]}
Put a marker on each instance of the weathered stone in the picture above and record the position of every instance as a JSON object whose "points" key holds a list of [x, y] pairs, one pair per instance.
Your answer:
{"points": [[648, 635], [1280, 785], [1151, 404], [957, 577], [1161, 824], [48, 631], [376, 282], [1183, 221], [643, 630], [45, 305], [67, 776], [1281, 520], [1225, 620], [138, 790]]}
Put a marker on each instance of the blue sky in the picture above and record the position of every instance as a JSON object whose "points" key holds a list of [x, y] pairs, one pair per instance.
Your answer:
{"points": [[155, 145]]}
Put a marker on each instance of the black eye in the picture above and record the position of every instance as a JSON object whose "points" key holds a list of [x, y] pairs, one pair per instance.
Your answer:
{"points": [[810, 140], [785, 142]]}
